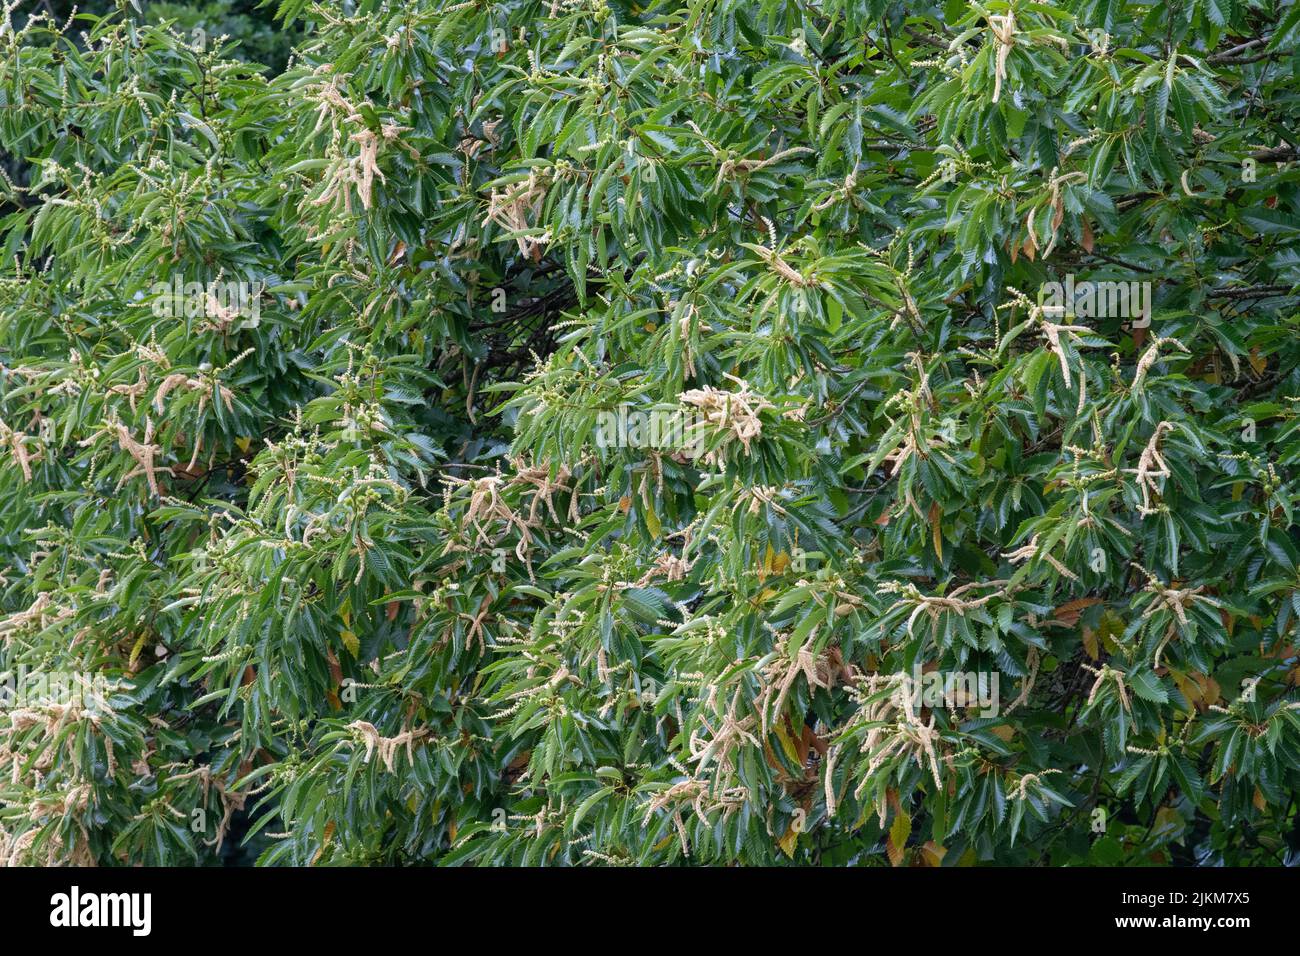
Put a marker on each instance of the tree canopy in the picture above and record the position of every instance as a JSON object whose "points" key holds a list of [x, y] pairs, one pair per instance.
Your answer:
{"points": [[579, 432]]}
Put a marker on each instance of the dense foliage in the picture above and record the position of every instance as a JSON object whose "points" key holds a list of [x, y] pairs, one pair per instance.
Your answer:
{"points": [[333, 522]]}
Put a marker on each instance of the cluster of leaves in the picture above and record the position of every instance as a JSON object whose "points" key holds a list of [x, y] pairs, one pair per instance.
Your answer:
{"points": [[360, 566]]}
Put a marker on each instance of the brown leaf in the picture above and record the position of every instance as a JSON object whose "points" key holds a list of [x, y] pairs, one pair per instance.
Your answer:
{"points": [[810, 739], [520, 761], [1068, 613], [936, 533], [326, 837]]}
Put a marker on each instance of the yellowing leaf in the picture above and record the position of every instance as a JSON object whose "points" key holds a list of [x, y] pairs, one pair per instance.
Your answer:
{"points": [[1169, 821], [135, 651], [1200, 690], [898, 834], [1090, 643], [932, 854], [1258, 362], [652, 521], [787, 744], [788, 842], [351, 643]]}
